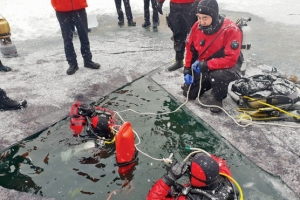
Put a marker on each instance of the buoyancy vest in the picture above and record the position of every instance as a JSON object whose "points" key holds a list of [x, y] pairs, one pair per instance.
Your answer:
{"points": [[224, 191], [68, 5]]}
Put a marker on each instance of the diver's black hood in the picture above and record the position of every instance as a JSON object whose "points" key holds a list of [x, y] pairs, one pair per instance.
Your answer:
{"points": [[211, 8]]}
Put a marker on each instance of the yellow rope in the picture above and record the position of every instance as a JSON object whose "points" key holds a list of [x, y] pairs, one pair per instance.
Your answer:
{"points": [[237, 185], [271, 106], [112, 141]]}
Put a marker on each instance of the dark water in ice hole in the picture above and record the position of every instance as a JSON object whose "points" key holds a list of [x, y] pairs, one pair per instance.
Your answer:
{"points": [[92, 174]]}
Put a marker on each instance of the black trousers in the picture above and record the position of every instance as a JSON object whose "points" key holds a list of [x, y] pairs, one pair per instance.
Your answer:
{"points": [[67, 22], [127, 10], [155, 17], [180, 20], [216, 80]]}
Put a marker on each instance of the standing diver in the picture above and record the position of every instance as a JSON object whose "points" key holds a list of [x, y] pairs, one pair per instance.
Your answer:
{"points": [[206, 183], [181, 18]]}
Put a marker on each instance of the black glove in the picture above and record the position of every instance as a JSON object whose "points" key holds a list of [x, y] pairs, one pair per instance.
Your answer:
{"points": [[176, 171], [86, 110], [159, 7], [187, 70]]}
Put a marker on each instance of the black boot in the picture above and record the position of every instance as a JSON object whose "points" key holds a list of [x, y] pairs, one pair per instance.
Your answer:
{"points": [[121, 22], [216, 102], [7, 103], [131, 23], [4, 68], [91, 65], [146, 24], [155, 25], [178, 64], [72, 69]]}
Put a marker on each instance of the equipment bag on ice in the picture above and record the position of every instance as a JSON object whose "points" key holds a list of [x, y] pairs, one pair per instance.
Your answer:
{"points": [[259, 90]]}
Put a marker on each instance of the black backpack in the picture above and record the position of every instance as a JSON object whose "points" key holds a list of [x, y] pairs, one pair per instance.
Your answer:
{"points": [[269, 89]]}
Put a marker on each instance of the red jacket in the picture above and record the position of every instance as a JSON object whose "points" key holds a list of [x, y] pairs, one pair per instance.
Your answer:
{"points": [[68, 5], [177, 1], [161, 191], [228, 33]]}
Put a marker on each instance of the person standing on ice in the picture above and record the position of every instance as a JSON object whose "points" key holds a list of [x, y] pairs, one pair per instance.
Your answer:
{"points": [[213, 48], [72, 14], [155, 18], [127, 11], [181, 18]]}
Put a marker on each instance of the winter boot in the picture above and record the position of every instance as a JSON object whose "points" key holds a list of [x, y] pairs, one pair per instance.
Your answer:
{"points": [[215, 102], [146, 24], [131, 23], [7, 103], [155, 25], [91, 65], [121, 22], [72, 69], [178, 64], [4, 68]]}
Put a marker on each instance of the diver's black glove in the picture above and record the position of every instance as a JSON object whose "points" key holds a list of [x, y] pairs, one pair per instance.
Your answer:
{"points": [[159, 7], [187, 70], [86, 110], [176, 171]]}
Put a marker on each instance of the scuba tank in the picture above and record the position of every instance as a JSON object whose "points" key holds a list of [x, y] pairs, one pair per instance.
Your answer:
{"points": [[246, 40], [7, 48], [126, 153]]}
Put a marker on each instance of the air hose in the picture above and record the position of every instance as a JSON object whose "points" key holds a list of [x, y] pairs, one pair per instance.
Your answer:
{"points": [[236, 183]]}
